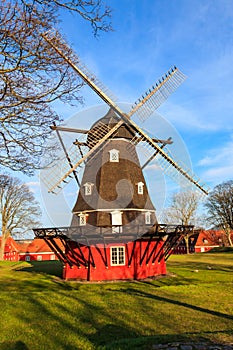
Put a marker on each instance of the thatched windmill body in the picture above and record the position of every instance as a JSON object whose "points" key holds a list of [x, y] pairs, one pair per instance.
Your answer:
{"points": [[114, 232], [113, 191]]}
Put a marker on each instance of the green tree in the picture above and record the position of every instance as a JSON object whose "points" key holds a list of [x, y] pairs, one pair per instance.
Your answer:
{"points": [[18, 207], [219, 205], [33, 75]]}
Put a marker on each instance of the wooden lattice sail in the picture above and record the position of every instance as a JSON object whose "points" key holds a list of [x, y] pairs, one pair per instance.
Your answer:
{"points": [[144, 107]]}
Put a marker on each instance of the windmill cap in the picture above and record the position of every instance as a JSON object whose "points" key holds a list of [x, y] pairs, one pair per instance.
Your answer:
{"points": [[110, 120]]}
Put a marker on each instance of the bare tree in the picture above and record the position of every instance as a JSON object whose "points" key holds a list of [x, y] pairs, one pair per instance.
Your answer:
{"points": [[220, 208], [183, 211], [33, 75], [18, 207]]}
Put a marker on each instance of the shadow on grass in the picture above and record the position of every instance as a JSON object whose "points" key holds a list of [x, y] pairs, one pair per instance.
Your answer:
{"points": [[18, 345], [54, 267], [220, 250], [143, 294], [113, 334], [76, 321], [202, 340], [170, 279]]}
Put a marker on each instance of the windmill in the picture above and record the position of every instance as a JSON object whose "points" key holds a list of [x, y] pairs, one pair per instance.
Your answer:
{"points": [[113, 204]]}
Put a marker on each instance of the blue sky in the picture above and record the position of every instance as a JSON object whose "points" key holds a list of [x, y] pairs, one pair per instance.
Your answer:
{"points": [[149, 37]]}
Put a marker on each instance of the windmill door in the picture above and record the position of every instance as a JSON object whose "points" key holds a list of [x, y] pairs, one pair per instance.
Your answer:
{"points": [[116, 217]]}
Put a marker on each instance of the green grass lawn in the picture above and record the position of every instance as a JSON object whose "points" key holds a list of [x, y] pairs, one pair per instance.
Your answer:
{"points": [[40, 311]]}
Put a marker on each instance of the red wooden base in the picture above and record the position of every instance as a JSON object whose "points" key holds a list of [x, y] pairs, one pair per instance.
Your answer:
{"points": [[143, 258], [87, 255]]}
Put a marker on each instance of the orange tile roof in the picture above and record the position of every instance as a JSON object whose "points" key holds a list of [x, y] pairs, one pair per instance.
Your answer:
{"points": [[37, 246], [211, 238], [11, 245], [29, 246]]}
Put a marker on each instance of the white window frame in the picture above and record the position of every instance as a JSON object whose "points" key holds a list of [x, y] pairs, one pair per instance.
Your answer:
{"points": [[39, 258], [27, 258], [117, 256], [114, 155], [52, 257], [140, 187], [82, 220], [147, 217], [88, 188]]}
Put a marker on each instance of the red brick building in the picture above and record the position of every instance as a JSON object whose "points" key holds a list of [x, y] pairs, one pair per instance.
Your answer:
{"points": [[11, 251], [210, 239], [29, 250], [35, 250]]}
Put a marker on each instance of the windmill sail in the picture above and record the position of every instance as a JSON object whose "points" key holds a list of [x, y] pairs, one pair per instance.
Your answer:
{"points": [[144, 107], [60, 166], [169, 164], [58, 176], [155, 96], [56, 41]]}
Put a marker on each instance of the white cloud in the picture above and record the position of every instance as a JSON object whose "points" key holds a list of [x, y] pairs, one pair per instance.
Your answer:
{"points": [[218, 163], [219, 154], [219, 174], [186, 117], [205, 101], [33, 183]]}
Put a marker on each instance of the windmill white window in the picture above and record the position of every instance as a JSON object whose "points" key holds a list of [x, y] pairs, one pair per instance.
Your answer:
{"points": [[140, 187], [148, 218], [117, 256], [114, 155], [88, 186], [116, 217], [82, 219]]}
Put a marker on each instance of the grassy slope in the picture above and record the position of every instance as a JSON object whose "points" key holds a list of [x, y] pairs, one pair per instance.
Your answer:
{"points": [[40, 311]]}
